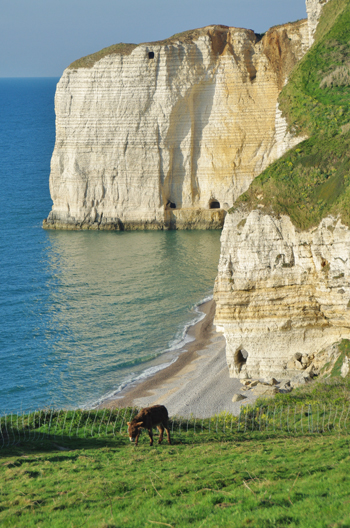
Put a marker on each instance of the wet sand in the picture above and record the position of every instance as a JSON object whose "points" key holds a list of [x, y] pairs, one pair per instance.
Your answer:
{"points": [[196, 384]]}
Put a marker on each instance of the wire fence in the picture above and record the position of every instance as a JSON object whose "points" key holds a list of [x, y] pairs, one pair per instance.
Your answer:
{"points": [[49, 424]]}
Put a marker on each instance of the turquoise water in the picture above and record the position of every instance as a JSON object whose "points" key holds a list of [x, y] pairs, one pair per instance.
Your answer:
{"points": [[81, 313]]}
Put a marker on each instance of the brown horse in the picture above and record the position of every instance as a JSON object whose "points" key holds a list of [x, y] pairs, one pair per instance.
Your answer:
{"points": [[147, 418]]}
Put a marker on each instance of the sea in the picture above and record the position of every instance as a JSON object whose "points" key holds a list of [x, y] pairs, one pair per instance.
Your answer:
{"points": [[82, 314]]}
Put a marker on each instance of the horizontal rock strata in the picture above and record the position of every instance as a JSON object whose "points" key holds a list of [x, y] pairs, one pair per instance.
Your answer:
{"points": [[169, 134], [282, 296]]}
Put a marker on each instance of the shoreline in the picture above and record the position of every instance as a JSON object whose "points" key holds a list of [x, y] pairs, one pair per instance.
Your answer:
{"points": [[196, 384]]}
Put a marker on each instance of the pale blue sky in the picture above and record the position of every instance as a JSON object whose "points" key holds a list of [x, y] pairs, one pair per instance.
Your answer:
{"points": [[40, 38]]}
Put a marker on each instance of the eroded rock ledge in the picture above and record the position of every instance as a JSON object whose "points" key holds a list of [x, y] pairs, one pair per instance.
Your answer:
{"points": [[281, 294], [167, 135]]}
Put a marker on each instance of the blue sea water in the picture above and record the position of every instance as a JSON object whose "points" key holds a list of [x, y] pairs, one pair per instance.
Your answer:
{"points": [[81, 313]]}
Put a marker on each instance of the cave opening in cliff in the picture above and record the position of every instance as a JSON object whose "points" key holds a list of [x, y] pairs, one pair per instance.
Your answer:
{"points": [[214, 204], [241, 357], [171, 205], [151, 54]]}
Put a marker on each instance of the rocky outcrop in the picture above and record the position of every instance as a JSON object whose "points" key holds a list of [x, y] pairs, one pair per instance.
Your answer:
{"points": [[169, 134], [282, 296]]}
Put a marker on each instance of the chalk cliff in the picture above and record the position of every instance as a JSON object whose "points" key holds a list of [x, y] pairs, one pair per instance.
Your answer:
{"points": [[169, 134], [281, 295], [314, 10]]}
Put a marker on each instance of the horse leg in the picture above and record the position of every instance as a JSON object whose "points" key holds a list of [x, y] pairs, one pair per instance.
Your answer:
{"points": [[168, 432], [161, 431]]}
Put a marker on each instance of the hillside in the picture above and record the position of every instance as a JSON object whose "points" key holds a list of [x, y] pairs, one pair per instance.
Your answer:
{"points": [[312, 180], [261, 476]]}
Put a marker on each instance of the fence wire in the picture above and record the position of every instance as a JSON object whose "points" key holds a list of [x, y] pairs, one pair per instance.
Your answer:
{"points": [[20, 427]]}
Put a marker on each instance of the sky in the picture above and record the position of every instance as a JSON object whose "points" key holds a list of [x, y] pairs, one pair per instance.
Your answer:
{"points": [[40, 38]]}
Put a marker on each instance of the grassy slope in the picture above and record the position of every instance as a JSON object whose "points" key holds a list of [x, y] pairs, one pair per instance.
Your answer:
{"points": [[227, 477], [247, 482], [313, 179]]}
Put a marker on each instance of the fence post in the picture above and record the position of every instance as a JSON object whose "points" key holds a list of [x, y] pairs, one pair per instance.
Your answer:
{"points": [[335, 416], [339, 425], [57, 422], [7, 432], [109, 419], [23, 428], [71, 425], [267, 419], [43, 436], [50, 422], [281, 418], [260, 419], [93, 423], [121, 426], [103, 415], [78, 426], [2, 435], [346, 419], [329, 417], [324, 416], [115, 423]]}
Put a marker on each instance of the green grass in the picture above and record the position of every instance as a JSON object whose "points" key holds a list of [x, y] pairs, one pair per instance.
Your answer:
{"points": [[90, 60], [333, 390], [313, 180], [259, 483], [219, 477]]}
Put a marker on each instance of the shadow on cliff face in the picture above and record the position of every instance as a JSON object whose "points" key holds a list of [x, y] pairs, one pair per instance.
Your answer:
{"points": [[187, 120]]}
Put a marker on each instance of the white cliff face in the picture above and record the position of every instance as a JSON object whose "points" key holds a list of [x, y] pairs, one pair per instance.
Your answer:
{"points": [[284, 140], [314, 9], [281, 293], [153, 138]]}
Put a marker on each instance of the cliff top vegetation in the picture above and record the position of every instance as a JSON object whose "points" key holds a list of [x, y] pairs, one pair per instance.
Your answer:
{"points": [[125, 49], [90, 60], [185, 37], [312, 180]]}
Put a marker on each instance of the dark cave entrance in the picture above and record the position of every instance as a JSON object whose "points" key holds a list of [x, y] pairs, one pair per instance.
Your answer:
{"points": [[171, 205], [241, 357], [151, 54], [214, 204]]}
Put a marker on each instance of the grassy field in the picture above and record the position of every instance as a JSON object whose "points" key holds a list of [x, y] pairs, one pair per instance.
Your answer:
{"points": [[257, 482], [267, 471], [313, 180]]}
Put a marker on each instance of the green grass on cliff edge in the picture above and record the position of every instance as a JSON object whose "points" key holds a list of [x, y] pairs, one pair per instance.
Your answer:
{"points": [[312, 180]]}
